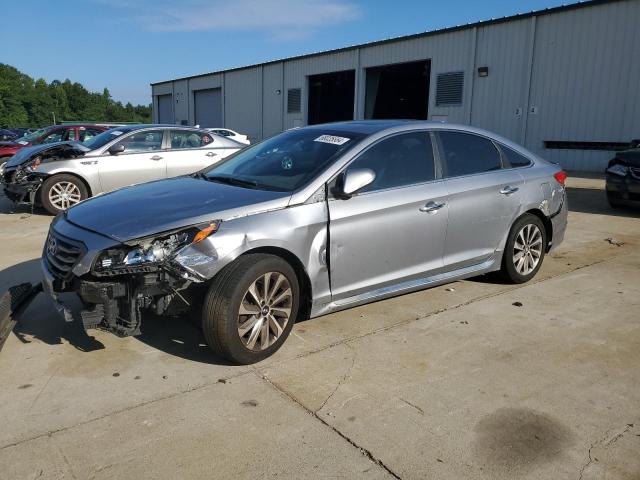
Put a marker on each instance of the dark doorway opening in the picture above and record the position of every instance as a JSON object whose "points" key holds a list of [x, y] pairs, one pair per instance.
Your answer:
{"points": [[398, 91], [331, 97]]}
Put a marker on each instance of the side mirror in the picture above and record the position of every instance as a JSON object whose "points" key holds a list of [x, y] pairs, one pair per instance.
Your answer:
{"points": [[116, 149], [354, 180]]}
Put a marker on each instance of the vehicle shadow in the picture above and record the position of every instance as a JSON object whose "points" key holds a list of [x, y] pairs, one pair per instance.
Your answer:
{"points": [[40, 320], [178, 336], [8, 207], [173, 335], [594, 200]]}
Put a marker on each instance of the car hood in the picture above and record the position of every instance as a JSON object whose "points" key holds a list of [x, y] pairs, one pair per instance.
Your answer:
{"points": [[51, 149], [155, 207], [629, 157]]}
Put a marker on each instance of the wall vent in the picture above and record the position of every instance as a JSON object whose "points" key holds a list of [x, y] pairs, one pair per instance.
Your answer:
{"points": [[294, 100], [449, 88]]}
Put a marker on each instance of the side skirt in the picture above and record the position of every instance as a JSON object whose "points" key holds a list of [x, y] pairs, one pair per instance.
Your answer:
{"points": [[406, 287]]}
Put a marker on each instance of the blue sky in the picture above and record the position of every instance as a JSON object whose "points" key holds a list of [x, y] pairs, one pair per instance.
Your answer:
{"points": [[125, 44]]}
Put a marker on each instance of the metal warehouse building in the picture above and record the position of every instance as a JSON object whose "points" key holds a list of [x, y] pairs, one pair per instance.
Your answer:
{"points": [[564, 82]]}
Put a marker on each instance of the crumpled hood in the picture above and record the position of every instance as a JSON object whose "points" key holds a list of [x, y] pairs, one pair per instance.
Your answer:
{"points": [[51, 150], [155, 207]]}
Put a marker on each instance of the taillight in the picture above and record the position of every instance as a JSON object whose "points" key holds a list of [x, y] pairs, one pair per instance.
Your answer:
{"points": [[561, 177]]}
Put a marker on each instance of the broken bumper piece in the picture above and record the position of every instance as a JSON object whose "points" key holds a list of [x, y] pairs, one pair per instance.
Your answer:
{"points": [[116, 304]]}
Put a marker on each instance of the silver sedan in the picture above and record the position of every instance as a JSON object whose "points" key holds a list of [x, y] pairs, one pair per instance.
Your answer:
{"points": [[308, 222]]}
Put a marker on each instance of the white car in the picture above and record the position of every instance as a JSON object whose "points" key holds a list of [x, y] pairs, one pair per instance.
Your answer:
{"points": [[59, 175], [231, 134]]}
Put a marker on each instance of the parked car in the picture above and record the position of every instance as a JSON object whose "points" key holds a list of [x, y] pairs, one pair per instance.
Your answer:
{"points": [[623, 177], [59, 175], [55, 133], [21, 132], [7, 135], [308, 222], [233, 135]]}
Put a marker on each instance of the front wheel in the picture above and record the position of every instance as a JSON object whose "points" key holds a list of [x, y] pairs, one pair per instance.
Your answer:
{"points": [[525, 249], [60, 192], [250, 308]]}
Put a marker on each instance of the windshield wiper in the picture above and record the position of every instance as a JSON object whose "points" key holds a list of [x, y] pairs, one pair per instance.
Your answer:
{"points": [[231, 181]]}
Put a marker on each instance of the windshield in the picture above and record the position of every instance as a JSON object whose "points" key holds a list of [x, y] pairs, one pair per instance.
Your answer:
{"points": [[285, 162], [32, 136], [102, 139]]}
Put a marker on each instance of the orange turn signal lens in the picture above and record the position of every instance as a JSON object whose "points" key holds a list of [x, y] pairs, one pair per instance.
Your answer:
{"points": [[205, 232]]}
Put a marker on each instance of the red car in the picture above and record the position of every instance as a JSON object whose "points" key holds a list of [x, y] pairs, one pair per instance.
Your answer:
{"points": [[54, 133]]}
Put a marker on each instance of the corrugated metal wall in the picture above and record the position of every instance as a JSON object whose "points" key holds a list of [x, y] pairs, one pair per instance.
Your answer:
{"points": [[570, 76]]}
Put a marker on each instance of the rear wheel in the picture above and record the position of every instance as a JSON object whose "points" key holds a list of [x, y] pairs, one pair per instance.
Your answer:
{"points": [[60, 192], [250, 308], [525, 249]]}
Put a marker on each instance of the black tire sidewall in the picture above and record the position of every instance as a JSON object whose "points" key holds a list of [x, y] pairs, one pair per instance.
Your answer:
{"points": [[508, 268], [49, 182], [227, 318]]}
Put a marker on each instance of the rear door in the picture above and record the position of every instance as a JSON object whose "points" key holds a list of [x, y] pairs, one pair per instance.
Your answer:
{"points": [[143, 160], [191, 150], [384, 235], [484, 197]]}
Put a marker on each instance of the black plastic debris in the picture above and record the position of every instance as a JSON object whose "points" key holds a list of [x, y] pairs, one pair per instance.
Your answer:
{"points": [[12, 303]]}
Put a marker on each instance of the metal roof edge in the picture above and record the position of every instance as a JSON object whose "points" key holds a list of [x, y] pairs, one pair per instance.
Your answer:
{"points": [[518, 16]]}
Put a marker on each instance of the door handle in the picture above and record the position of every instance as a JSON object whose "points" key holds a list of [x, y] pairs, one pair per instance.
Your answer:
{"points": [[155, 158], [432, 207], [211, 154], [509, 190]]}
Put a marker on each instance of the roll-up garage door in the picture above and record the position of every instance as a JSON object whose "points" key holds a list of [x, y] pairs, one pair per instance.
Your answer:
{"points": [[207, 106], [165, 112]]}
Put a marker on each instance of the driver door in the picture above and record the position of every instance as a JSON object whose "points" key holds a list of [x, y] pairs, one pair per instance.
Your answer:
{"points": [[143, 160], [384, 235]]}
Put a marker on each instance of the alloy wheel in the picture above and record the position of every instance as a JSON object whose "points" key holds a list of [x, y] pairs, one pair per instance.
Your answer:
{"points": [[63, 195], [527, 249], [265, 311]]}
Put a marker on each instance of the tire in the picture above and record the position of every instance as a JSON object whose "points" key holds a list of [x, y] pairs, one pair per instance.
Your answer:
{"points": [[529, 227], [615, 203], [229, 332], [54, 189]]}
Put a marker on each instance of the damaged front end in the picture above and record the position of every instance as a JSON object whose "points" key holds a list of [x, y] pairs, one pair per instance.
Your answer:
{"points": [[124, 279], [20, 185]]}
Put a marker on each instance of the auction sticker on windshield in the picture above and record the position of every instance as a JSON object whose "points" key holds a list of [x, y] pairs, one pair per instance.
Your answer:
{"points": [[332, 139]]}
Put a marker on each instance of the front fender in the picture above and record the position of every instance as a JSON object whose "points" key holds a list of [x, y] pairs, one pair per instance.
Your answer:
{"points": [[299, 230]]}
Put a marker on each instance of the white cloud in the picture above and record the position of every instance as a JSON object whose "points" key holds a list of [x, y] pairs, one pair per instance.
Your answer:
{"points": [[280, 19]]}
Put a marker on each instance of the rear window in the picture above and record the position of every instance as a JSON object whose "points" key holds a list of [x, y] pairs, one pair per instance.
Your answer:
{"points": [[467, 154], [515, 159]]}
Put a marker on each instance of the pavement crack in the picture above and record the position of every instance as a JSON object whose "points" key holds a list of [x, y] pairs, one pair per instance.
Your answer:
{"points": [[412, 405], [367, 453], [50, 433], [344, 378], [605, 440]]}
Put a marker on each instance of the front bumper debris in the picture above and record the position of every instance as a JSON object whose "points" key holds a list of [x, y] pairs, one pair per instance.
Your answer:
{"points": [[116, 304], [20, 187], [12, 304]]}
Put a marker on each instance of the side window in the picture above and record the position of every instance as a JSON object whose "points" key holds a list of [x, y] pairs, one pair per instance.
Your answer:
{"points": [[466, 154], [88, 134], [146, 141], [55, 136], [514, 158], [401, 160], [71, 135], [189, 139]]}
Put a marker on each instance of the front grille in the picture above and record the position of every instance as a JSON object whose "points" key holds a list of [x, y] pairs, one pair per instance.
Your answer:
{"points": [[61, 254]]}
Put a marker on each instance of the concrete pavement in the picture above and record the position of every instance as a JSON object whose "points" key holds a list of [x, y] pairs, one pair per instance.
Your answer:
{"points": [[453, 382]]}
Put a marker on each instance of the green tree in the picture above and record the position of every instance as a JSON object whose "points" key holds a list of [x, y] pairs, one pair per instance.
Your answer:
{"points": [[34, 103]]}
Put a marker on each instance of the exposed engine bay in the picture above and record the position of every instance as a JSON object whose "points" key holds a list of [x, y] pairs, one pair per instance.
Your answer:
{"points": [[126, 279]]}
